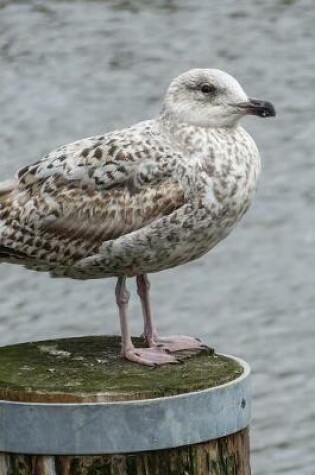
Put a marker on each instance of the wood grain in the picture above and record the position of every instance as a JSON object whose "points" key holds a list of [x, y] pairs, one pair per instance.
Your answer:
{"points": [[224, 456]]}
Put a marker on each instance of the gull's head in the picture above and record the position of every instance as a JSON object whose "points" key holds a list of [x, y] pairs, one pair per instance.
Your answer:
{"points": [[211, 98]]}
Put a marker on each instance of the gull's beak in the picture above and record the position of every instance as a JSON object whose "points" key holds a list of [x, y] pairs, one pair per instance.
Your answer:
{"points": [[256, 107]]}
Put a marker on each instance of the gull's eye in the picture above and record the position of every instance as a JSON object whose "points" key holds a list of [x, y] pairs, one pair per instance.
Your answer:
{"points": [[207, 88]]}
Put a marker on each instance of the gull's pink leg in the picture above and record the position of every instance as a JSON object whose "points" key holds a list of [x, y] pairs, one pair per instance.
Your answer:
{"points": [[143, 287], [171, 343], [146, 356]]}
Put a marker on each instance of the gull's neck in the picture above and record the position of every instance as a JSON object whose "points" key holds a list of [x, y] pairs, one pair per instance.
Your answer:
{"points": [[186, 134]]}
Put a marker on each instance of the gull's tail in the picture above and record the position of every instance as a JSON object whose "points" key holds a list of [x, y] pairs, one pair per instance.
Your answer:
{"points": [[6, 187], [7, 254]]}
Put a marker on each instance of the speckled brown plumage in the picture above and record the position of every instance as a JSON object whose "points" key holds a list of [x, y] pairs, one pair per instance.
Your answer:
{"points": [[66, 206], [138, 200]]}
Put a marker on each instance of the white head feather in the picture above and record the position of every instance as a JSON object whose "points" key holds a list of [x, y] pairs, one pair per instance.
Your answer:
{"points": [[186, 102]]}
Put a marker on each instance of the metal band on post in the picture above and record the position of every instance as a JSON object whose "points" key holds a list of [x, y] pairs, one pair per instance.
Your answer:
{"points": [[127, 426]]}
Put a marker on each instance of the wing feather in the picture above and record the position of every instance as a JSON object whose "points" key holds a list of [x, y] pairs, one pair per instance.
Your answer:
{"points": [[101, 216], [133, 156], [63, 207]]}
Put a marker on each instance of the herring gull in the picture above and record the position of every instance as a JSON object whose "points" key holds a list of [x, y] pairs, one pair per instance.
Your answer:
{"points": [[153, 196]]}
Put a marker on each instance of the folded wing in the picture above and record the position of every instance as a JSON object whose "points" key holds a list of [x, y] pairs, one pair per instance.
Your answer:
{"points": [[62, 208]]}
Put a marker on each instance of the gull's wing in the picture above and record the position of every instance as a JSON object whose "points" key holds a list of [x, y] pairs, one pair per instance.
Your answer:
{"points": [[62, 208], [102, 162]]}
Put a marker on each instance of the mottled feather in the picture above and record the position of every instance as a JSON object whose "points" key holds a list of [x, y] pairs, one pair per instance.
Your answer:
{"points": [[63, 207], [142, 199]]}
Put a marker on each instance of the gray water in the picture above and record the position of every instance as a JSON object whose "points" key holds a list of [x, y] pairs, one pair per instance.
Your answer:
{"points": [[70, 69]]}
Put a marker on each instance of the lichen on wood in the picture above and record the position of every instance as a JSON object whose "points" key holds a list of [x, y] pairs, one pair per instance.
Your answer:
{"points": [[91, 369]]}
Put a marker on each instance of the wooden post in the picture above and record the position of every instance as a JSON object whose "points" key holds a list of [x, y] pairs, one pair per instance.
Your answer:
{"points": [[74, 407]]}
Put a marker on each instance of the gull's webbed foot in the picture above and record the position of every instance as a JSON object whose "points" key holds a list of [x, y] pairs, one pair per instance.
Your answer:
{"points": [[178, 343], [155, 356]]}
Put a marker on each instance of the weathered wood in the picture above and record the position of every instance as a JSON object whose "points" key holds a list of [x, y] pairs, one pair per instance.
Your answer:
{"points": [[224, 456], [90, 369]]}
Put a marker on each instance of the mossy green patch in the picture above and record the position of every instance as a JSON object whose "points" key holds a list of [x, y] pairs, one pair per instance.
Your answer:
{"points": [[91, 369]]}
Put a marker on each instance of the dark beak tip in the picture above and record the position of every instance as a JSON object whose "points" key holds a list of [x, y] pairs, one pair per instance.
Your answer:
{"points": [[269, 110], [259, 108]]}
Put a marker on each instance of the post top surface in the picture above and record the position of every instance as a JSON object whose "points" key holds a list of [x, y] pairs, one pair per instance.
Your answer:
{"points": [[90, 369], [94, 402]]}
